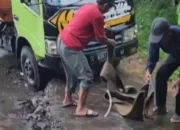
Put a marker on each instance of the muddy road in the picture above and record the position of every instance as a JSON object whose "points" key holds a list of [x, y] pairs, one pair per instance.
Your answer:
{"points": [[15, 92]]}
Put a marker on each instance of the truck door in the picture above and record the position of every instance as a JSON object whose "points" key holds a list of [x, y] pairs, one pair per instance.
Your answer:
{"points": [[28, 20]]}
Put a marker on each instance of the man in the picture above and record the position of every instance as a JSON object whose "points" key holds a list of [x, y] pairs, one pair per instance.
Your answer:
{"points": [[87, 24], [166, 37], [176, 88]]}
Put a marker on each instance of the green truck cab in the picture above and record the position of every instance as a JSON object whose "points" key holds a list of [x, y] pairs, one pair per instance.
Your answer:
{"points": [[37, 23]]}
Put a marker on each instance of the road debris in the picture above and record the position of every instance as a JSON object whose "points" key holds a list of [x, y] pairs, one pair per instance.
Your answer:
{"points": [[37, 112]]}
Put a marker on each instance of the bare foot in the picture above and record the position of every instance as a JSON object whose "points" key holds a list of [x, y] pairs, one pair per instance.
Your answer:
{"points": [[175, 119], [67, 102]]}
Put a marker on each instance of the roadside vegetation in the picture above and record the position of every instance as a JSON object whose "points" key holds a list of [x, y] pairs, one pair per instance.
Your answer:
{"points": [[146, 11]]}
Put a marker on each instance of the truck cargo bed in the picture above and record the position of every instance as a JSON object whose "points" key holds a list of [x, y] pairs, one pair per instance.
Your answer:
{"points": [[6, 11]]}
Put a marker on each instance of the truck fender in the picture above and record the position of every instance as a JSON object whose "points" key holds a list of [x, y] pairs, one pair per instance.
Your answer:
{"points": [[19, 43]]}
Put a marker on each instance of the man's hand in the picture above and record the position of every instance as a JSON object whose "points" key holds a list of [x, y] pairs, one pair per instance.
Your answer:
{"points": [[147, 77], [106, 27], [176, 87], [1, 20]]}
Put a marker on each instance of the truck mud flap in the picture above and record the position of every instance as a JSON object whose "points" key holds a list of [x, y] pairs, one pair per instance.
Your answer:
{"points": [[128, 102]]}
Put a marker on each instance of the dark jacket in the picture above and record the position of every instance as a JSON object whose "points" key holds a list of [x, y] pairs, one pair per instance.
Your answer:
{"points": [[172, 48]]}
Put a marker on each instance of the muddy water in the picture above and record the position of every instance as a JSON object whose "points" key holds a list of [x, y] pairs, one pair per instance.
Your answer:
{"points": [[13, 88]]}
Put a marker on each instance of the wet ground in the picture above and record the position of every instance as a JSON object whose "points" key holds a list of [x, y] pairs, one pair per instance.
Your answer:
{"points": [[13, 89]]}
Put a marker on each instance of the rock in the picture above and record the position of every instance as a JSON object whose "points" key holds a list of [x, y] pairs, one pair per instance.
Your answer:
{"points": [[27, 104], [15, 82], [24, 122], [7, 72], [40, 93], [40, 110], [42, 125], [46, 100], [19, 104], [35, 117], [35, 127], [21, 73], [42, 103], [32, 116], [26, 85], [28, 117], [35, 102], [48, 112]]}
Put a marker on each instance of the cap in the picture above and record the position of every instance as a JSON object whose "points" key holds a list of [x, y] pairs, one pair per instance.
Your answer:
{"points": [[110, 2], [159, 27]]}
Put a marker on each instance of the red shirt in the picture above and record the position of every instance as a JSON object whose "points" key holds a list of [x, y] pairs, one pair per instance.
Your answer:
{"points": [[87, 24]]}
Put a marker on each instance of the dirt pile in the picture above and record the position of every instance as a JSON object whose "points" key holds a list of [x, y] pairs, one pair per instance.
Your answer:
{"points": [[37, 112]]}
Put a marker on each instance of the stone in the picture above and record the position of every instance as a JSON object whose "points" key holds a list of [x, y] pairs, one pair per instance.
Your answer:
{"points": [[42, 125], [35, 127], [40, 110]]}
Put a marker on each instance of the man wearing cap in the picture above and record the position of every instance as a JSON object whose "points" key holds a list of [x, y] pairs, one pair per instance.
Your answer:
{"points": [[166, 37], [87, 24]]}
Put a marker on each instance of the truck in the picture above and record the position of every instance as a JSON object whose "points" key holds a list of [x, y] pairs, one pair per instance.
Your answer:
{"points": [[29, 29]]}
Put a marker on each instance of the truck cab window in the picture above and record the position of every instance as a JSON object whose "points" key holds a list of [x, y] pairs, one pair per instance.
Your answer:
{"points": [[35, 6], [53, 2]]}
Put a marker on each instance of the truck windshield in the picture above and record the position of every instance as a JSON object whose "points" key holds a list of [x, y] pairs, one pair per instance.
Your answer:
{"points": [[65, 3], [62, 2]]}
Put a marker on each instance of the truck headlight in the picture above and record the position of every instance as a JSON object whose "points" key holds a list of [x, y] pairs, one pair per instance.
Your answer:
{"points": [[51, 47], [129, 34]]}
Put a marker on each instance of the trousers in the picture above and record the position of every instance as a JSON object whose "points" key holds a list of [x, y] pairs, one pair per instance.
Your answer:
{"points": [[76, 67], [162, 77]]}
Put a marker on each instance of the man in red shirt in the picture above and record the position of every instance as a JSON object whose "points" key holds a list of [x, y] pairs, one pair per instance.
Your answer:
{"points": [[87, 24]]}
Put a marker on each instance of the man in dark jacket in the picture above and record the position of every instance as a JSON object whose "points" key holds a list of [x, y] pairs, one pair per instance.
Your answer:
{"points": [[166, 37]]}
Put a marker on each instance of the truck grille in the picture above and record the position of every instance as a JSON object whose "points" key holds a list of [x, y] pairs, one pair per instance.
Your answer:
{"points": [[95, 46]]}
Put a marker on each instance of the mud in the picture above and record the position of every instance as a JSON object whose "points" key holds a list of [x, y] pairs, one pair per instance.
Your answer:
{"points": [[23, 109]]}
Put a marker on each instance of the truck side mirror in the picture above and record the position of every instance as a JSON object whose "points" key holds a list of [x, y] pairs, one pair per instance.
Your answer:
{"points": [[28, 2]]}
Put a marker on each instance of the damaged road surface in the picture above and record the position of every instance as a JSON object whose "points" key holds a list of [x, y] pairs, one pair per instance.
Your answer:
{"points": [[20, 107], [11, 89], [23, 109]]}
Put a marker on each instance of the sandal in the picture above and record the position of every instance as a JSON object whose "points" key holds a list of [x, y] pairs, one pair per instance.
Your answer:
{"points": [[175, 119], [89, 113], [69, 105]]}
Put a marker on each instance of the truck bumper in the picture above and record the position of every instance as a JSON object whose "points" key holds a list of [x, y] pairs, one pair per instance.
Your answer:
{"points": [[128, 48], [50, 62], [122, 51]]}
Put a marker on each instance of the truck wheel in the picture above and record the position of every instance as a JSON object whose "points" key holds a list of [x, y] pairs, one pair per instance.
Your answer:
{"points": [[30, 68]]}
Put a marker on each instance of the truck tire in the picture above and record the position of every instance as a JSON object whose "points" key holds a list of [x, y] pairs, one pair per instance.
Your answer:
{"points": [[30, 68]]}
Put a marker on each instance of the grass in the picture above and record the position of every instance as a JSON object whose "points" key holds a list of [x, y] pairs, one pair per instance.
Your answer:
{"points": [[146, 12]]}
